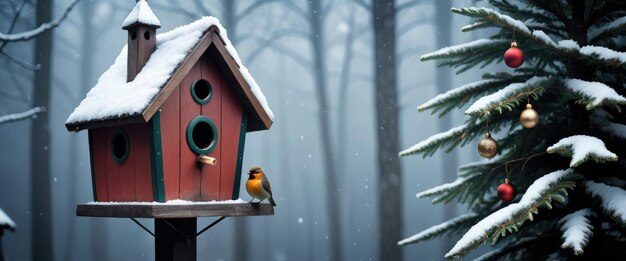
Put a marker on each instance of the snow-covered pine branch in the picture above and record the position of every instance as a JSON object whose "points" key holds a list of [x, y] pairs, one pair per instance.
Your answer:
{"points": [[604, 54], [582, 148], [438, 230], [594, 94], [27, 35], [428, 146], [459, 96], [613, 200], [21, 115], [550, 187], [443, 188], [616, 26], [576, 230], [486, 17], [471, 47], [509, 97]]}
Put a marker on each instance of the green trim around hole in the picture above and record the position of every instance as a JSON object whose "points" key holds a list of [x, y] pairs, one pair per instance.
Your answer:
{"points": [[190, 140], [156, 159], [194, 94], [242, 143], [122, 133]]}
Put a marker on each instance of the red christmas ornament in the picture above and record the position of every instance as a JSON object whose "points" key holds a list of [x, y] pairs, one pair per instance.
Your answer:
{"points": [[506, 191], [514, 57]]}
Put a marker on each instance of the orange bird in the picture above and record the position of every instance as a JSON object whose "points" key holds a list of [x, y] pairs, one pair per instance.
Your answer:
{"points": [[258, 186]]}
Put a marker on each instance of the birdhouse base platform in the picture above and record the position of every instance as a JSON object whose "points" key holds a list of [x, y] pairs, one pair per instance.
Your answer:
{"points": [[175, 224], [167, 210]]}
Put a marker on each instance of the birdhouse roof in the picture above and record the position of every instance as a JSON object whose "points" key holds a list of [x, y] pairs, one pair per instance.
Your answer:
{"points": [[6, 221], [113, 101], [141, 14]]}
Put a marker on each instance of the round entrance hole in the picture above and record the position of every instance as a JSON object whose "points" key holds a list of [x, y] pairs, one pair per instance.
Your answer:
{"points": [[119, 146], [201, 91], [201, 135], [146, 35]]}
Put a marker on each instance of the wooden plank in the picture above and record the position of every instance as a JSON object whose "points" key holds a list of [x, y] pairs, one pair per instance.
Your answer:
{"points": [[232, 112], [113, 169], [190, 172], [131, 61], [175, 239], [99, 167], [231, 70], [178, 75], [171, 142], [210, 189], [127, 168], [242, 143], [143, 176], [173, 211], [156, 159]]}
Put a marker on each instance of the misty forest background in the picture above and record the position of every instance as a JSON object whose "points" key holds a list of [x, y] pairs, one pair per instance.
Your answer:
{"points": [[344, 86]]}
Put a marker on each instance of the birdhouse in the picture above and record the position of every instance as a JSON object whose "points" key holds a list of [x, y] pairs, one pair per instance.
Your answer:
{"points": [[168, 119]]}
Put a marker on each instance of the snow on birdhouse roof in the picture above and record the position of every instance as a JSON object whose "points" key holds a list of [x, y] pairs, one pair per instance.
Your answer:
{"points": [[142, 13], [6, 221], [114, 97]]}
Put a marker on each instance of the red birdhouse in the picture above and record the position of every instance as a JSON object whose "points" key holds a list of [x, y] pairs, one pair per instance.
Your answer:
{"points": [[168, 119]]}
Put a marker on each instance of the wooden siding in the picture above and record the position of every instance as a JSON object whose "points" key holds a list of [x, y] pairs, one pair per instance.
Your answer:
{"points": [[129, 181], [184, 178]]}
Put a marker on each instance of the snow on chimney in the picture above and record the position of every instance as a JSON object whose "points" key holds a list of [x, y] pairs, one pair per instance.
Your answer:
{"points": [[141, 25]]}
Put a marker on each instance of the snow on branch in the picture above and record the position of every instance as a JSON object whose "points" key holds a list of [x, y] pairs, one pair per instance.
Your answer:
{"points": [[6, 221], [604, 53], [550, 187], [612, 27], [463, 91], [487, 17], [455, 134], [23, 36], [20, 116], [509, 97], [594, 94], [443, 188], [613, 200], [470, 47], [576, 230], [582, 148], [438, 230]]}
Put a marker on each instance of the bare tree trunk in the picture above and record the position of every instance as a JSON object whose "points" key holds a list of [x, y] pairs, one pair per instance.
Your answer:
{"points": [[389, 172], [449, 161], [41, 235], [319, 65]]}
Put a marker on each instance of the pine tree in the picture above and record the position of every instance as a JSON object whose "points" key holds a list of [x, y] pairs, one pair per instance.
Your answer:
{"points": [[570, 181]]}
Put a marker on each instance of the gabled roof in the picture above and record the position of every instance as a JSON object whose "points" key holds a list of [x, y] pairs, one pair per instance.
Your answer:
{"points": [[141, 14], [113, 101], [5, 221]]}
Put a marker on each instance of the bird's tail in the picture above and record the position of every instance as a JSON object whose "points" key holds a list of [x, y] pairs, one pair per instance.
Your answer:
{"points": [[272, 201]]}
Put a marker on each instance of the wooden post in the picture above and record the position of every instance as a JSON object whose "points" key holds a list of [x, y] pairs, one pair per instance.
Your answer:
{"points": [[175, 239]]}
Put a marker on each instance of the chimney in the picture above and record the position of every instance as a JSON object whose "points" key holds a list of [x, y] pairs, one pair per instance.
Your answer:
{"points": [[141, 25]]}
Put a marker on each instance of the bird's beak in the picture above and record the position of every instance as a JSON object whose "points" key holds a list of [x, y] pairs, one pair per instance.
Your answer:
{"points": [[248, 173]]}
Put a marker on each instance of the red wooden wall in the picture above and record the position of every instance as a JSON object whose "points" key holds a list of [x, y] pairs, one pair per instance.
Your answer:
{"points": [[183, 178], [129, 181]]}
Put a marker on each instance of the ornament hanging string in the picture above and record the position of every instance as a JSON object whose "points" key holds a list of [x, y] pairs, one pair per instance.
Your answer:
{"points": [[527, 158]]}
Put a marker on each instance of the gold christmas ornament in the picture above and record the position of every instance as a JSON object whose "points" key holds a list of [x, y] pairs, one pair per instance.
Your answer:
{"points": [[529, 117], [488, 147]]}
